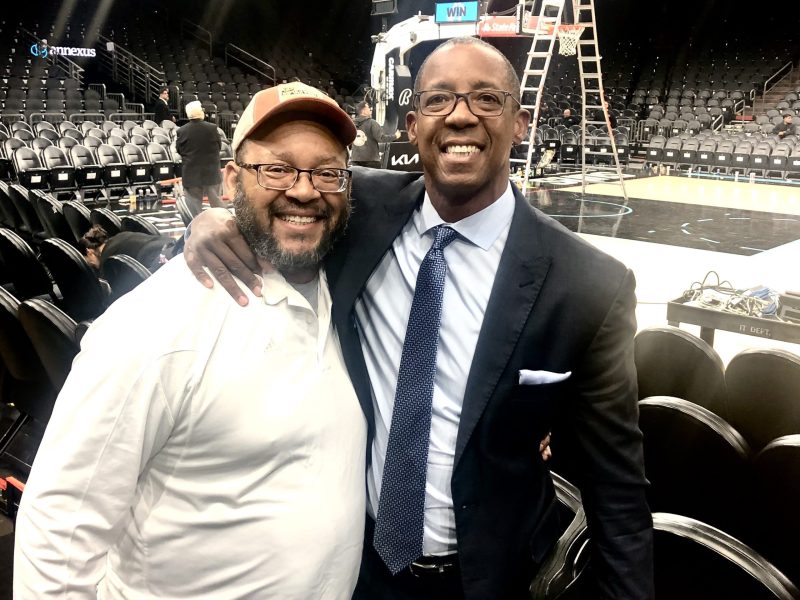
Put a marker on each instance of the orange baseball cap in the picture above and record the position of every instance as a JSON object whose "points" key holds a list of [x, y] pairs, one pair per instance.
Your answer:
{"points": [[293, 97]]}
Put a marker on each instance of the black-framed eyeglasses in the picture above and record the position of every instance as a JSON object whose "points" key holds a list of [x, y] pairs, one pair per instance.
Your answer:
{"points": [[481, 103], [283, 177]]}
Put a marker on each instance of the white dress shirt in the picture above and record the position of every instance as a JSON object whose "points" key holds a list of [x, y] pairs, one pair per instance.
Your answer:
{"points": [[382, 313], [199, 450]]}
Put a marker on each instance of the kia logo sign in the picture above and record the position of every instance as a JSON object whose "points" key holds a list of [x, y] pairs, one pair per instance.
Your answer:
{"points": [[405, 97], [404, 160]]}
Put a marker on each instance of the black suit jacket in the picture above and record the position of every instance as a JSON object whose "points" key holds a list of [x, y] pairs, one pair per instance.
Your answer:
{"points": [[161, 111], [198, 144], [557, 304]]}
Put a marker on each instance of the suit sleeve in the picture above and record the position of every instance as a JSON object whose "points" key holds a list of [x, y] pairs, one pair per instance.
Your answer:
{"points": [[110, 418], [610, 453]]}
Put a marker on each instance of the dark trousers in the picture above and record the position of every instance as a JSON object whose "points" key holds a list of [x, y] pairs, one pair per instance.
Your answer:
{"points": [[375, 582], [194, 197]]}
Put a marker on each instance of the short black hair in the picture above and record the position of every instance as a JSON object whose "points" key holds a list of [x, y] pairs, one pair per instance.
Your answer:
{"points": [[511, 77], [163, 89]]}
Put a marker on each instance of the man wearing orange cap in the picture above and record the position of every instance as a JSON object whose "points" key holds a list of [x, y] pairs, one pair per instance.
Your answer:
{"points": [[196, 453]]}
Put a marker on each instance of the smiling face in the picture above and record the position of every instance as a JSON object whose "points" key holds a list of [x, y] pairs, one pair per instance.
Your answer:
{"points": [[293, 228], [465, 158]]}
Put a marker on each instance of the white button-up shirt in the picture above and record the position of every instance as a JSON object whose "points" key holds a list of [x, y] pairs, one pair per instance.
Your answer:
{"points": [[199, 450], [382, 315]]}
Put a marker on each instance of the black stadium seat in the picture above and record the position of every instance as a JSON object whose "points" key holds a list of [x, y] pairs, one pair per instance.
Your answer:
{"points": [[61, 172], [139, 169], [776, 500], [696, 463], [26, 273], [107, 219], [83, 297], [673, 362], [115, 172], [29, 169], [764, 394], [77, 216], [162, 165], [88, 174], [139, 224], [123, 273], [52, 333]]}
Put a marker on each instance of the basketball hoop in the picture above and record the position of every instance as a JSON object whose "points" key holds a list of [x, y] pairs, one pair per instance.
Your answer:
{"points": [[568, 36]]}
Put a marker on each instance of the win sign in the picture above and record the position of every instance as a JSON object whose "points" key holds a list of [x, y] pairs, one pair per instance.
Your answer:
{"points": [[457, 12]]}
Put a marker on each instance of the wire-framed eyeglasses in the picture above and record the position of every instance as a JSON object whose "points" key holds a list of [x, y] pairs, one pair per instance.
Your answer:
{"points": [[481, 103], [283, 177]]}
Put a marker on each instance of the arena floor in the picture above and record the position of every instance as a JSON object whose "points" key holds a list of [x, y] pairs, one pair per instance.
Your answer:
{"points": [[674, 230]]}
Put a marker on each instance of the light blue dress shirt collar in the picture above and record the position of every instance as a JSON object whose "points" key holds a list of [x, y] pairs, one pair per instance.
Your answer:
{"points": [[482, 228]]}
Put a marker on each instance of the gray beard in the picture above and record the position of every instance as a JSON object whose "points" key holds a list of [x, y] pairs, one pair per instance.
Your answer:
{"points": [[265, 245]]}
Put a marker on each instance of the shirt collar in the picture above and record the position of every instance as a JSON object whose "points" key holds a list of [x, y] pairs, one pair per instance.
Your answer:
{"points": [[275, 289], [482, 228]]}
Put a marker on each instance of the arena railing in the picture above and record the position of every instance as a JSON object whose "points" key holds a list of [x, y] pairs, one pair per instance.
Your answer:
{"points": [[142, 79], [202, 35], [779, 75], [253, 63], [51, 117], [95, 117]]}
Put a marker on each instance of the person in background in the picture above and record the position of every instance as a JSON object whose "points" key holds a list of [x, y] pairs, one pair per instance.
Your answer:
{"points": [[198, 143], [201, 450], [150, 250], [365, 150], [568, 119], [785, 128], [161, 107]]}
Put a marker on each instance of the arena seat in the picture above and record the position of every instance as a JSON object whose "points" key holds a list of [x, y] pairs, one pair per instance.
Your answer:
{"points": [[29, 169], [32, 228], [53, 334], [77, 216], [776, 500], [139, 224], [706, 475], [162, 165], [26, 273], [88, 174], [763, 394], [740, 159], [673, 362], [26, 384], [115, 172], [51, 215], [83, 297], [107, 219], [61, 172], [139, 169]]}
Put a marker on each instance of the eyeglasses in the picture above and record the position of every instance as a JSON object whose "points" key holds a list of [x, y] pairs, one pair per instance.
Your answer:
{"points": [[481, 103], [283, 177]]}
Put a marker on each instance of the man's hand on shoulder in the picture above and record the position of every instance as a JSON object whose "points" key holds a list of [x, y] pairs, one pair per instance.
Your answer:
{"points": [[215, 242]]}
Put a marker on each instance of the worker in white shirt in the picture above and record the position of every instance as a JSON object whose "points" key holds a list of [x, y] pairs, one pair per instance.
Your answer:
{"points": [[204, 450]]}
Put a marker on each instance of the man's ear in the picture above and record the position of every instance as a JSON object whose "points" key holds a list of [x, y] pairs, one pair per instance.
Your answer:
{"points": [[411, 126], [230, 178], [521, 121]]}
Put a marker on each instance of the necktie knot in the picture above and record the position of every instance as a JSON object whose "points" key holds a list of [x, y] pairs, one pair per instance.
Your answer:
{"points": [[444, 235]]}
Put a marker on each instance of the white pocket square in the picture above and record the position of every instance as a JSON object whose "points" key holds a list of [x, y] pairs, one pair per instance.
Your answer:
{"points": [[527, 377]]}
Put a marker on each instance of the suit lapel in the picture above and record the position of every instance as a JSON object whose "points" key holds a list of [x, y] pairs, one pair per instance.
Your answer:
{"points": [[370, 241], [520, 275]]}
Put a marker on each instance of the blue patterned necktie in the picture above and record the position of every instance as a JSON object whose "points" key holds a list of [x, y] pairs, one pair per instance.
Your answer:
{"points": [[401, 508]]}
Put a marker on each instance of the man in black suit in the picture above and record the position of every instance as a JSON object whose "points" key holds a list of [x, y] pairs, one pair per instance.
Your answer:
{"points": [[161, 107], [536, 334], [199, 144]]}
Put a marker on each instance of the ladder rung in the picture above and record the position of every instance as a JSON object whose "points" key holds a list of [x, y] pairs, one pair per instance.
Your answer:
{"points": [[539, 54], [588, 91], [586, 42], [528, 106], [518, 160], [591, 76], [589, 58], [534, 72], [531, 89]]}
